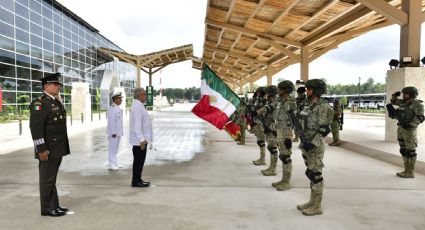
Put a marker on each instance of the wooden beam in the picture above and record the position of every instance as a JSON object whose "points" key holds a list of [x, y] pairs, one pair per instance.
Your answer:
{"points": [[283, 14], [252, 32], [305, 62], [387, 10], [324, 50], [282, 49], [242, 72], [242, 57]]}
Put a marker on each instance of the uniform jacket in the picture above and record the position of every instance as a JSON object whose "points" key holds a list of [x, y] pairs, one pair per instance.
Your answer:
{"points": [[313, 116], [410, 112], [115, 121], [48, 126], [281, 113]]}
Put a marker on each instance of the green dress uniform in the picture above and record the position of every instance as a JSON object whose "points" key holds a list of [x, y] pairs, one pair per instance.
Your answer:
{"points": [[48, 130]]}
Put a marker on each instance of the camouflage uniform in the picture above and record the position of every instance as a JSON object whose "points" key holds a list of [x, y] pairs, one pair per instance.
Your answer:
{"points": [[409, 115], [301, 100], [240, 119], [284, 133], [316, 117], [259, 102], [335, 124], [269, 129]]}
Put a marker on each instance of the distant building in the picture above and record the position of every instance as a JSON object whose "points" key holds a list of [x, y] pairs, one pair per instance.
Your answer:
{"points": [[42, 36]]}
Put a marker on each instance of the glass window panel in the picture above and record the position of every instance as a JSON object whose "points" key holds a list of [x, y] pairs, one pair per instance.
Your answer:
{"points": [[47, 34], [9, 97], [6, 30], [24, 85], [58, 29], [36, 87], [23, 2], [57, 18], [6, 16], [48, 67], [58, 39], [24, 98], [47, 12], [7, 43], [36, 29], [36, 52], [23, 73], [48, 56], [58, 59], [58, 49], [36, 63], [22, 48], [7, 4], [47, 4], [34, 5], [21, 10], [67, 33], [67, 61], [7, 70], [47, 24], [75, 64], [48, 45], [36, 18], [74, 37], [22, 23], [22, 60], [7, 57], [22, 36], [36, 75], [36, 41], [66, 24], [7, 84]]}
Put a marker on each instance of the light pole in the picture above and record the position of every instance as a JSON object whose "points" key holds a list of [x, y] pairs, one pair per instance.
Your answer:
{"points": [[359, 92]]}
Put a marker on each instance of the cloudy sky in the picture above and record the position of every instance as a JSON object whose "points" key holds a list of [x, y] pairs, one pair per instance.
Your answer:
{"points": [[142, 26]]}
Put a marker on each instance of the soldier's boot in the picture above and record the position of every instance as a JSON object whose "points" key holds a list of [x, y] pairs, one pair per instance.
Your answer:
{"points": [[271, 171], [242, 141], [406, 166], [277, 183], [308, 204], [316, 203], [335, 142], [262, 159], [286, 177], [410, 172]]}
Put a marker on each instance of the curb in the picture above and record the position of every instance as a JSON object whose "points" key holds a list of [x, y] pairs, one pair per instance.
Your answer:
{"points": [[378, 155]]}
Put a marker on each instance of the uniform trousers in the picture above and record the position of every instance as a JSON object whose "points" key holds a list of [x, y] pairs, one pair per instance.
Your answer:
{"points": [[48, 171], [139, 157], [114, 144]]}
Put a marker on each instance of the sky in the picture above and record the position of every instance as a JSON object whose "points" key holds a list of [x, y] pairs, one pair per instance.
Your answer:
{"points": [[143, 26]]}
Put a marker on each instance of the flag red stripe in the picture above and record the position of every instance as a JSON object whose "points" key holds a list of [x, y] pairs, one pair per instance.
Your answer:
{"points": [[210, 113]]}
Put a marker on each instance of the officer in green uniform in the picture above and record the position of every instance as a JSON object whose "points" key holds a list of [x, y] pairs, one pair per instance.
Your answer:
{"points": [[258, 102], [266, 114], [286, 103], [335, 123], [316, 117], [48, 130], [301, 99], [240, 119], [409, 114]]}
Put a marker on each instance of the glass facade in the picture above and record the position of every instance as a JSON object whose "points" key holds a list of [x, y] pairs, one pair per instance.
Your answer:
{"points": [[38, 37]]}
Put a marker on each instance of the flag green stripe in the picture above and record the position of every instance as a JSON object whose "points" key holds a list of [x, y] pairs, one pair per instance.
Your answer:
{"points": [[216, 84]]}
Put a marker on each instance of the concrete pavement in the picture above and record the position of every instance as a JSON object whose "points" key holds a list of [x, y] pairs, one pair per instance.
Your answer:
{"points": [[202, 180]]}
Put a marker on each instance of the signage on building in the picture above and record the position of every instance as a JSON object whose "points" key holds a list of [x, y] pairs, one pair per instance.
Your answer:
{"points": [[149, 92], [1, 100]]}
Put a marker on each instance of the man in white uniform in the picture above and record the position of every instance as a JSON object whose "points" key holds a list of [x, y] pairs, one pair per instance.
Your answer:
{"points": [[141, 135], [114, 129]]}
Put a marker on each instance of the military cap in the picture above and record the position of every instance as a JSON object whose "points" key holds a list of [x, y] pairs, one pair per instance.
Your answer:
{"points": [[116, 94], [410, 90], [51, 78], [318, 86]]}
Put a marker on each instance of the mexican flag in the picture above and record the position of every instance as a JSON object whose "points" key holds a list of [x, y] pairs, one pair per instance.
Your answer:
{"points": [[218, 101]]}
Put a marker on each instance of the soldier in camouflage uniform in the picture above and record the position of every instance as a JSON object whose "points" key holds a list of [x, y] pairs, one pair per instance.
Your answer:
{"points": [[258, 102], [335, 123], [301, 100], [286, 103], [266, 113], [316, 117], [409, 115], [240, 119]]}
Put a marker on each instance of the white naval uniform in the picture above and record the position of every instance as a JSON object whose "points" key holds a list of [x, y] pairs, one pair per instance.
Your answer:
{"points": [[115, 126]]}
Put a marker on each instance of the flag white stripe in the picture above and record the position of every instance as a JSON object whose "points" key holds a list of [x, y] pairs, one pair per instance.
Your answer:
{"points": [[220, 102]]}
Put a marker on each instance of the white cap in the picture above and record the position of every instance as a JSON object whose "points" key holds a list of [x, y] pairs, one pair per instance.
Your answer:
{"points": [[116, 94]]}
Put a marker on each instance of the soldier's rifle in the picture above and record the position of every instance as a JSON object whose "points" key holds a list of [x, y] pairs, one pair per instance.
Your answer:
{"points": [[297, 126]]}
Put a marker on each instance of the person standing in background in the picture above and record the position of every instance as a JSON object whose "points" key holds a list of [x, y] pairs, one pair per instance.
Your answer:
{"points": [[141, 135], [114, 130]]}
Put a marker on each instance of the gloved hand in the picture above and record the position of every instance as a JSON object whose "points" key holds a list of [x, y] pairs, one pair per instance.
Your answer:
{"points": [[397, 94], [406, 126], [308, 146]]}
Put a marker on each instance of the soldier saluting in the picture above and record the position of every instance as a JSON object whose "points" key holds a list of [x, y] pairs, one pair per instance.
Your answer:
{"points": [[409, 115], [48, 130]]}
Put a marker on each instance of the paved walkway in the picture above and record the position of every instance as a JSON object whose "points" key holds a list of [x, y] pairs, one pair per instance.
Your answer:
{"points": [[214, 186]]}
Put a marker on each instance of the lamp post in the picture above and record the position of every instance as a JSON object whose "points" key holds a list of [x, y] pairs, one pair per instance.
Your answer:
{"points": [[359, 92]]}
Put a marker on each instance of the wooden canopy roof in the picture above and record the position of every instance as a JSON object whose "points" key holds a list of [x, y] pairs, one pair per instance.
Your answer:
{"points": [[155, 59], [248, 39]]}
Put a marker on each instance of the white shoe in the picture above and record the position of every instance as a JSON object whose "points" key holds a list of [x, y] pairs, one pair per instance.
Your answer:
{"points": [[119, 166], [113, 168]]}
